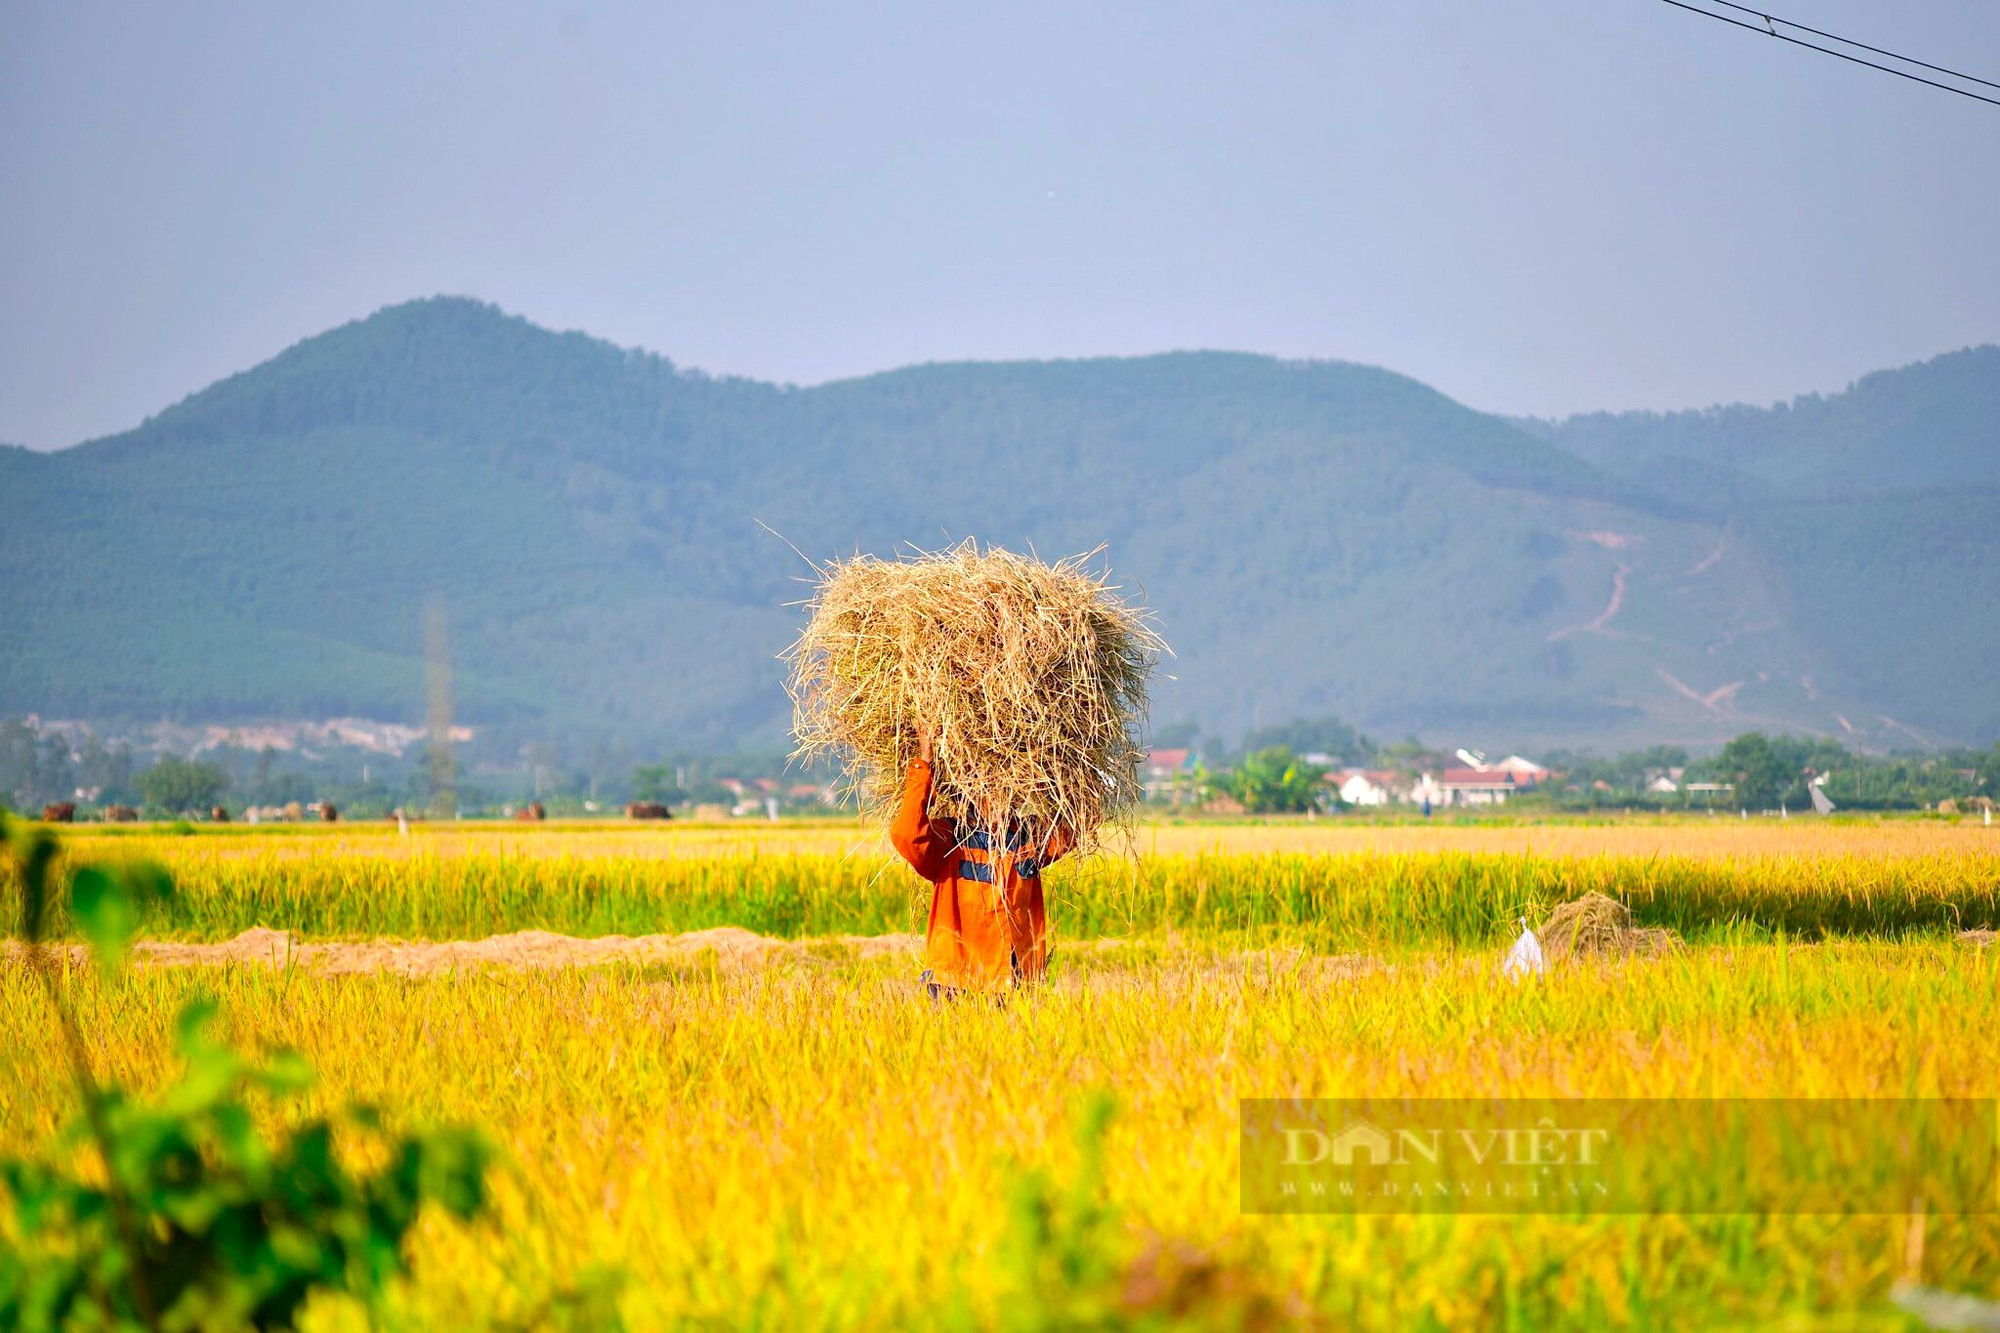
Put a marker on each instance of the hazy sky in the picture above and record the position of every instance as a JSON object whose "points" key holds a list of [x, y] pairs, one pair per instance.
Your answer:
{"points": [[1543, 206]]}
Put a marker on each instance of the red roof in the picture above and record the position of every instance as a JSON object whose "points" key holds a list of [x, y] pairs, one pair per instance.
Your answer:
{"points": [[1167, 759], [1472, 777]]}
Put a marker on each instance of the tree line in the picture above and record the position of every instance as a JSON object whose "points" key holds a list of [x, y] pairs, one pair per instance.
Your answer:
{"points": [[1274, 769], [1286, 768]]}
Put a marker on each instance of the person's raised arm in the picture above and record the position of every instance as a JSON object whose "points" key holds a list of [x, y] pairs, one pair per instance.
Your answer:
{"points": [[925, 845], [1061, 842]]}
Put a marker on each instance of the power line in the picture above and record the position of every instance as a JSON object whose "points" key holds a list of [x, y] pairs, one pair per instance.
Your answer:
{"points": [[1848, 41], [1770, 29]]}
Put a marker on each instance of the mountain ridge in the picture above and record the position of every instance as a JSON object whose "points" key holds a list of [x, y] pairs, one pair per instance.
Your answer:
{"points": [[1821, 444], [1316, 536]]}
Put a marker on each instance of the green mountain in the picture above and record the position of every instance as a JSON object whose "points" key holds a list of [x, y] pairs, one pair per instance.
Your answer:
{"points": [[1925, 427], [1314, 538]]}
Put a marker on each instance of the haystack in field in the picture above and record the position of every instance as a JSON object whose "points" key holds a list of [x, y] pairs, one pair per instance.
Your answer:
{"points": [[1031, 678], [1595, 926]]}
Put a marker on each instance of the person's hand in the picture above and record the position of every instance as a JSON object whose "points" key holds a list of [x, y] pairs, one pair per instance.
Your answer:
{"points": [[924, 742]]}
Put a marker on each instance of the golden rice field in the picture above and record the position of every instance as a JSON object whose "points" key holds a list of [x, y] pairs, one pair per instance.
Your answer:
{"points": [[797, 1139], [1636, 835]]}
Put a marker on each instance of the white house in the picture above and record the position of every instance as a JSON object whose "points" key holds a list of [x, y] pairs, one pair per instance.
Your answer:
{"points": [[1472, 786], [1484, 782], [1360, 787]]}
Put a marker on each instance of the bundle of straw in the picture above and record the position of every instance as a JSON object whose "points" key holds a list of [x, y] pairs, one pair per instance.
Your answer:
{"points": [[1030, 679], [1595, 926]]}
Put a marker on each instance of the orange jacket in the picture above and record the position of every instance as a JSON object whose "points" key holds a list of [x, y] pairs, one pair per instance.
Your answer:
{"points": [[988, 926]]}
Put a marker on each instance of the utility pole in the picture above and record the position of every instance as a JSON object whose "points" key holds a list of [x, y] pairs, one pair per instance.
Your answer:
{"points": [[437, 679]]}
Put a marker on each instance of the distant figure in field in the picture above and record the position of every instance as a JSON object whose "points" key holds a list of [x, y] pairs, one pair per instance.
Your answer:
{"points": [[647, 810], [532, 813], [120, 814], [219, 815], [988, 928], [329, 813], [59, 812]]}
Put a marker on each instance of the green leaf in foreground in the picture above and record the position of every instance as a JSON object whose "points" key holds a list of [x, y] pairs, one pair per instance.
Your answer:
{"points": [[34, 852], [191, 1215], [108, 904], [236, 1226]]}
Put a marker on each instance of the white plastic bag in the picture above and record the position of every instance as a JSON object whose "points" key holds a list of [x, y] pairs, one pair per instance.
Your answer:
{"points": [[1525, 958]]}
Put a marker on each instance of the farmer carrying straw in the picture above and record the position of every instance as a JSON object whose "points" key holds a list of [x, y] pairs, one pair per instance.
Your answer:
{"points": [[986, 706], [989, 927]]}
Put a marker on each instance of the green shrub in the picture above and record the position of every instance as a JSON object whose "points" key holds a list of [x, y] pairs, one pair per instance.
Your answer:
{"points": [[193, 1217]]}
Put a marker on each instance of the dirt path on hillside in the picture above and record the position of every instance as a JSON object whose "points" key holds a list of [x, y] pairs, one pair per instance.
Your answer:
{"points": [[1603, 619]]}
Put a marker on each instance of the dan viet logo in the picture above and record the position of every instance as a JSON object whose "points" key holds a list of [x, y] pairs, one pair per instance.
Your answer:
{"points": [[1540, 1164], [1364, 1143], [1709, 1156]]}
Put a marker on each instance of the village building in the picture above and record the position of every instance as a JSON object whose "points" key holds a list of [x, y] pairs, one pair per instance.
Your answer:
{"points": [[1526, 772], [1168, 775], [1472, 786], [1484, 783], [1365, 787]]}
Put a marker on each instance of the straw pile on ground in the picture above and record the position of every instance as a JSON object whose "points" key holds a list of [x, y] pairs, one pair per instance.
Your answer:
{"points": [[1595, 926], [1030, 678]]}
